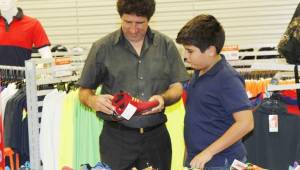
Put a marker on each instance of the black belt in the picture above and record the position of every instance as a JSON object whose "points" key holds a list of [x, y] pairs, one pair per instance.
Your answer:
{"points": [[116, 125]]}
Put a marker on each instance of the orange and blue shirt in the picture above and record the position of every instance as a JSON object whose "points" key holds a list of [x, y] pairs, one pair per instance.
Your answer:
{"points": [[18, 38]]}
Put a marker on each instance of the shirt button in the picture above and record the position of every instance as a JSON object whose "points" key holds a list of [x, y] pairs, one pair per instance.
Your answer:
{"points": [[142, 94], [141, 78], [140, 61]]}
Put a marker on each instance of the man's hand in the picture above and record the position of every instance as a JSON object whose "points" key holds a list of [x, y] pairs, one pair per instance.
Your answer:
{"points": [[200, 160], [101, 103], [158, 108]]}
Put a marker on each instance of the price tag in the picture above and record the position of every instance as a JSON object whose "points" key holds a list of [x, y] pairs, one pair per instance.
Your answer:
{"points": [[238, 165], [129, 111], [273, 123]]}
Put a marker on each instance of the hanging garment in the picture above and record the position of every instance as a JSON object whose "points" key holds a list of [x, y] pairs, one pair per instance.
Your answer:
{"points": [[67, 138], [50, 129], [274, 150], [175, 114], [88, 128], [16, 125], [5, 95], [289, 97]]}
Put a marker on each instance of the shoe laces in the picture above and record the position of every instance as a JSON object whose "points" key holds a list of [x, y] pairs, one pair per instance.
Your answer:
{"points": [[136, 100]]}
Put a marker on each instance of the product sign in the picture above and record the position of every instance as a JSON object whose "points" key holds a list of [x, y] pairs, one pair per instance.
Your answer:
{"points": [[62, 67], [231, 52]]}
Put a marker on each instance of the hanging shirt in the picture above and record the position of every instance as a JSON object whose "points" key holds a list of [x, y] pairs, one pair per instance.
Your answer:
{"points": [[88, 128], [5, 95], [18, 38], [274, 150], [175, 114], [16, 125], [50, 129], [67, 135]]}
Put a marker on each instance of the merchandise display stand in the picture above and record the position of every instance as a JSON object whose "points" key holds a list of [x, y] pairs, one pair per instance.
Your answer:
{"points": [[44, 72]]}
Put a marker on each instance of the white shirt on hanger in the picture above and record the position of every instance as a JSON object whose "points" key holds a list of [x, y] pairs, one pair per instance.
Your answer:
{"points": [[50, 129], [5, 95]]}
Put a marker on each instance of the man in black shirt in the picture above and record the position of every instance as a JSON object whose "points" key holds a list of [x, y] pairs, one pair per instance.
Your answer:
{"points": [[146, 64]]}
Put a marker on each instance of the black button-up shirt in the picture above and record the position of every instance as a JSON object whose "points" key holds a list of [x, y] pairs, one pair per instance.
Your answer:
{"points": [[114, 64]]}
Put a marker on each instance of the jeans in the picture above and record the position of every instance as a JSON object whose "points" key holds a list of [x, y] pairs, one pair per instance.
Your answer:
{"points": [[225, 167]]}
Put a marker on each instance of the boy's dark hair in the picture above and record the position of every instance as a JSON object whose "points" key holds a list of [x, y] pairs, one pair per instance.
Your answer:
{"points": [[143, 8], [202, 31]]}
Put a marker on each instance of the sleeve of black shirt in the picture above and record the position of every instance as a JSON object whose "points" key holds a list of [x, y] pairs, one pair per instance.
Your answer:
{"points": [[94, 69]]}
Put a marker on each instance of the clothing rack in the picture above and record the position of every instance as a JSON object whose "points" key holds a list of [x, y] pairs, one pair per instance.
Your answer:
{"points": [[12, 72], [283, 70], [8, 73], [42, 72], [4, 67]]}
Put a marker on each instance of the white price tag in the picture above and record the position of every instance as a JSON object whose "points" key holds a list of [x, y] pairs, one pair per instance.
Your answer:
{"points": [[238, 165], [129, 111], [273, 123]]}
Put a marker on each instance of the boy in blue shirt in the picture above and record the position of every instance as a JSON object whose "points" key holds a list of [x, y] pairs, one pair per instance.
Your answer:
{"points": [[218, 112]]}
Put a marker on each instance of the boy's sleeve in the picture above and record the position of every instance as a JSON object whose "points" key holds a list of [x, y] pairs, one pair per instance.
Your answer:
{"points": [[233, 95]]}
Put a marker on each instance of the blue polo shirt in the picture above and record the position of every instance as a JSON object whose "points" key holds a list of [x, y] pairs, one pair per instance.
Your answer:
{"points": [[211, 101]]}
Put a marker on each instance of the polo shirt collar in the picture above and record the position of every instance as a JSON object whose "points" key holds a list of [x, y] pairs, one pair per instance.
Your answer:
{"points": [[19, 15], [216, 68], [119, 36]]}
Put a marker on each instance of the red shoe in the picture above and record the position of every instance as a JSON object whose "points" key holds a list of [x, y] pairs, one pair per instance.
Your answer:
{"points": [[122, 99]]}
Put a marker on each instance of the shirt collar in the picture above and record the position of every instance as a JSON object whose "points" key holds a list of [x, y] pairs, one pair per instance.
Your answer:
{"points": [[119, 36], [216, 68], [19, 15]]}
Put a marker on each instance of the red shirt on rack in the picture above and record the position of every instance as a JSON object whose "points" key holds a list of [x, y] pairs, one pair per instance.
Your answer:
{"points": [[18, 38]]}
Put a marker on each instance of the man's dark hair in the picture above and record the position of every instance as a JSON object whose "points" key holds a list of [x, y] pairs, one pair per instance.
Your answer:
{"points": [[144, 8], [202, 31]]}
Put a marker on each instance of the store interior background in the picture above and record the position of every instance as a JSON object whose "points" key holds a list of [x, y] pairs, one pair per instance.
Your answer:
{"points": [[78, 23]]}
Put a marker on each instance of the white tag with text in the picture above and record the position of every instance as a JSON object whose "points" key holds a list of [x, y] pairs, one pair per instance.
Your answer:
{"points": [[273, 123], [129, 111], [238, 165]]}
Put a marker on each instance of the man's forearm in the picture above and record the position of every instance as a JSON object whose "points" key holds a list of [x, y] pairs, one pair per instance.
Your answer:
{"points": [[84, 96], [173, 94]]}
